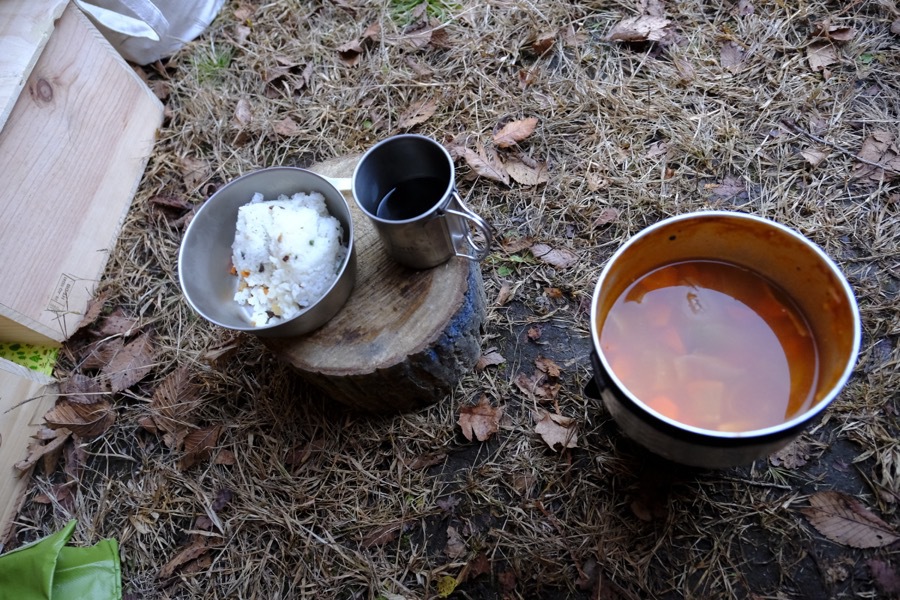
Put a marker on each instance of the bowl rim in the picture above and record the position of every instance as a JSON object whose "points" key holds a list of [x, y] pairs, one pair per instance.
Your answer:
{"points": [[649, 413], [348, 257]]}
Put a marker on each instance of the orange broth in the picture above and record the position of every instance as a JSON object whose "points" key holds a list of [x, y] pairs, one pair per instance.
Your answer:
{"points": [[712, 345]]}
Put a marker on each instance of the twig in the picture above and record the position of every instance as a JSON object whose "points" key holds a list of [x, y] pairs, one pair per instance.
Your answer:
{"points": [[797, 129]]}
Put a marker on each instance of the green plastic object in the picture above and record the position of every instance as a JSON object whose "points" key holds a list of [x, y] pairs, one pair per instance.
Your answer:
{"points": [[49, 570]]}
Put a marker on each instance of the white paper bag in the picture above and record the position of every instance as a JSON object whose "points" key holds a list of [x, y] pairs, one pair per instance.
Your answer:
{"points": [[144, 31]]}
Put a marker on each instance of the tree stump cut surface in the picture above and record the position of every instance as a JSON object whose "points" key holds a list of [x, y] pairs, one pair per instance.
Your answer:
{"points": [[404, 338]]}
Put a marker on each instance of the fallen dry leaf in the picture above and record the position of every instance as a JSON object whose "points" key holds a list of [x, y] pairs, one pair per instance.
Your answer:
{"points": [[542, 43], [514, 243], [556, 430], [879, 148], [81, 389], [731, 56], [547, 366], [504, 295], [885, 577], [556, 257], [844, 520], [729, 188], [417, 113], [837, 33], [745, 8], [514, 132], [820, 55], [195, 172], [545, 389], [243, 114], [198, 547], [534, 333], [350, 53], [382, 535], [287, 127], [645, 28], [98, 354], [492, 357], [792, 456], [117, 323], [895, 27], [484, 164], [131, 364], [456, 546], [427, 460], [37, 450], [813, 156], [606, 216], [199, 445], [526, 170], [173, 400], [480, 420], [84, 420], [94, 308]]}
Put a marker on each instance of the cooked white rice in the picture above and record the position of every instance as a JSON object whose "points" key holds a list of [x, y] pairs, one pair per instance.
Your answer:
{"points": [[286, 254]]}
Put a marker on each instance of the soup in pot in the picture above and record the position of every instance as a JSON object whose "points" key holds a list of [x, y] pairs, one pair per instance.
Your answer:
{"points": [[712, 345]]}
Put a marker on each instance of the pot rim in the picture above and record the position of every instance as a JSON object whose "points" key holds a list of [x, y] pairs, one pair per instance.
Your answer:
{"points": [[773, 430]]}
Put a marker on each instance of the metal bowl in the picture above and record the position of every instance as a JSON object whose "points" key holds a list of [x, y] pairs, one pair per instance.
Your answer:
{"points": [[204, 260], [783, 256]]}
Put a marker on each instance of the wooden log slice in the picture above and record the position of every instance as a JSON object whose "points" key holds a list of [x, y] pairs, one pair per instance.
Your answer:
{"points": [[404, 338]]}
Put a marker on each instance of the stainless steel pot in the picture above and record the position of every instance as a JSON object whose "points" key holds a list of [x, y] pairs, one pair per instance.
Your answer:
{"points": [[772, 250]]}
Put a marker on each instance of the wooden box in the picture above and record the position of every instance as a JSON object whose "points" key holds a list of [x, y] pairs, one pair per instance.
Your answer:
{"points": [[25, 397], [79, 128]]}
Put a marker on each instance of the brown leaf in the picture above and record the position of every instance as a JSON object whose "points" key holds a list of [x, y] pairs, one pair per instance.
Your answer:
{"points": [[243, 114], [84, 420], [117, 323], [527, 171], [81, 389], [559, 258], [555, 430], [837, 33], [640, 29], [418, 113], [350, 53], [731, 56], [885, 577], [820, 55], [427, 460], [813, 156], [514, 132], [456, 546], [480, 420], [657, 149], [504, 295], [542, 43], [516, 243], [484, 164], [225, 457], [93, 310], [37, 450], [534, 333], [287, 127], [543, 388], [195, 550], [131, 364], [844, 520], [199, 445], [195, 173], [729, 188], [879, 148], [223, 498], [174, 399], [97, 355], [547, 366], [383, 535], [792, 456], [606, 216], [488, 359], [372, 32]]}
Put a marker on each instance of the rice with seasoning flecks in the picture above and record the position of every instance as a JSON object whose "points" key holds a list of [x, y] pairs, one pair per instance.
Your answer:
{"points": [[286, 254]]}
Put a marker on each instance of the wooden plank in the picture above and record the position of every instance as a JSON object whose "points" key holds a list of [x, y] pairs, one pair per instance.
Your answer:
{"points": [[25, 27], [23, 404], [73, 153]]}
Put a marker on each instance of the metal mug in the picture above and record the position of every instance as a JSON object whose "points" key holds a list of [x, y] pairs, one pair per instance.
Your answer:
{"points": [[406, 185]]}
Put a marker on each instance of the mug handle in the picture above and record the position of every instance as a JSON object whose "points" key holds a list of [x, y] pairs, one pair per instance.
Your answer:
{"points": [[464, 217]]}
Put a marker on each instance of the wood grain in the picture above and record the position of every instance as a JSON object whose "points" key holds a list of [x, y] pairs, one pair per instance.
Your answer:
{"points": [[73, 152]]}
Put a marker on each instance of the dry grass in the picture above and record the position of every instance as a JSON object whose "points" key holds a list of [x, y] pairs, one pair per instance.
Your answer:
{"points": [[605, 512]]}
